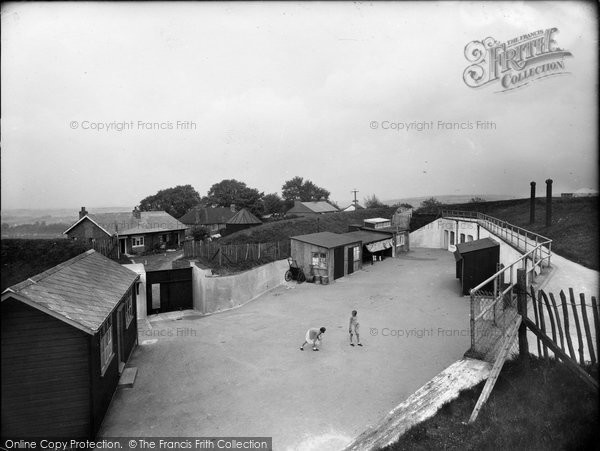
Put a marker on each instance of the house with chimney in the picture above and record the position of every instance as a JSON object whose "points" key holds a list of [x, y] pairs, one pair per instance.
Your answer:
{"points": [[309, 209], [213, 218], [136, 232]]}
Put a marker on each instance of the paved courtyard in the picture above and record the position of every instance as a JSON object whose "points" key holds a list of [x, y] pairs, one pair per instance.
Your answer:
{"points": [[241, 373]]}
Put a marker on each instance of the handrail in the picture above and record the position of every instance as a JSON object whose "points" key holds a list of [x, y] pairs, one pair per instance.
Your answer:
{"points": [[493, 220]]}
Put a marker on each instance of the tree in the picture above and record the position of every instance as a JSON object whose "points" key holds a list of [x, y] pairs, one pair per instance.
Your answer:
{"points": [[272, 204], [373, 202], [228, 192], [200, 233], [303, 190], [175, 201], [431, 204], [476, 200]]}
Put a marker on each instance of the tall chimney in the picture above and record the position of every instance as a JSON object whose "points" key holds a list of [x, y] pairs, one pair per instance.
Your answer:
{"points": [[532, 204], [136, 213], [548, 202], [82, 213]]}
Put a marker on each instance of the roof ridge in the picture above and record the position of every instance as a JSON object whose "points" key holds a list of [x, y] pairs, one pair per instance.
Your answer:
{"points": [[43, 275]]}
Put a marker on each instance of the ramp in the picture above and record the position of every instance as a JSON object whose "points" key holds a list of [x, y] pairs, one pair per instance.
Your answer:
{"points": [[423, 404]]}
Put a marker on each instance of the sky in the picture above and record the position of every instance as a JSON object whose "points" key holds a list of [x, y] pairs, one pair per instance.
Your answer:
{"points": [[194, 93]]}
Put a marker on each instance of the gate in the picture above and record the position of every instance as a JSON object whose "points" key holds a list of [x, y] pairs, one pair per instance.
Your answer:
{"points": [[169, 290]]}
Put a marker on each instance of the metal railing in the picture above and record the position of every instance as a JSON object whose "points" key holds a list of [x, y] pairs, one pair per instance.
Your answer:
{"points": [[519, 237], [493, 301]]}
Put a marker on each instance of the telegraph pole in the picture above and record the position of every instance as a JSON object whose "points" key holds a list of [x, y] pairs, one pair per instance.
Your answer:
{"points": [[355, 191]]}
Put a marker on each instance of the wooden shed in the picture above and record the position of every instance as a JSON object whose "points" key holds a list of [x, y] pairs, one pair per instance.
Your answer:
{"points": [[475, 262], [327, 254], [66, 336], [375, 245]]}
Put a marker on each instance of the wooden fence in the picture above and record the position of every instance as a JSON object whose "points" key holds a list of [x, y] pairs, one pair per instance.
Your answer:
{"points": [[544, 307], [106, 246], [236, 253], [554, 320]]}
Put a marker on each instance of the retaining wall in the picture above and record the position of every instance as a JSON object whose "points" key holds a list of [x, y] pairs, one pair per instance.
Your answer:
{"points": [[217, 293]]}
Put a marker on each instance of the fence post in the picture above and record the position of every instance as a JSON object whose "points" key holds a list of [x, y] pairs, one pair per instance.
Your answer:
{"points": [[522, 309]]}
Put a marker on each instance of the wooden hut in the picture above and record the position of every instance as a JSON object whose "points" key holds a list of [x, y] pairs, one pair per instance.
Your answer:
{"points": [[476, 261], [67, 334]]}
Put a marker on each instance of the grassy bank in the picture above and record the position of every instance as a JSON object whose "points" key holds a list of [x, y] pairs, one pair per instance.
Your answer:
{"points": [[574, 228], [543, 408], [281, 230]]}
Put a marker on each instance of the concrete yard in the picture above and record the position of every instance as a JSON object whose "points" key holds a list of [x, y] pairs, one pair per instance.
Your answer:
{"points": [[241, 373]]}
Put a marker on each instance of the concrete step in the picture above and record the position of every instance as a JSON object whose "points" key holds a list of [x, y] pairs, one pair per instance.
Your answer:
{"points": [[128, 377]]}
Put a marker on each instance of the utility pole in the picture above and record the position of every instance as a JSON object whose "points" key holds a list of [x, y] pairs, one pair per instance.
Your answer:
{"points": [[355, 191]]}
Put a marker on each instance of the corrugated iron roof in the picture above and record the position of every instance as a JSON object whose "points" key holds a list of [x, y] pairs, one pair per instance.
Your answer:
{"points": [[126, 224], [327, 240], [244, 217], [82, 291]]}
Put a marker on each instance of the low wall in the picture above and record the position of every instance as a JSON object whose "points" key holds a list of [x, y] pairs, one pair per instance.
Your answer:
{"points": [[217, 293]]}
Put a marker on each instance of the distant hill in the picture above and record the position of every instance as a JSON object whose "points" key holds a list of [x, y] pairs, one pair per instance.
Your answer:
{"points": [[20, 216]]}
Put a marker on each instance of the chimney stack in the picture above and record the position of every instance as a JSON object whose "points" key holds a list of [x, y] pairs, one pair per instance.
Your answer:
{"points": [[82, 213], [548, 202], [232, 207], [136, 213], [532, 204]]}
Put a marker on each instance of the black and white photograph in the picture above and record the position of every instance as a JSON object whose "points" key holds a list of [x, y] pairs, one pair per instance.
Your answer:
{"points": [[299, 226]]}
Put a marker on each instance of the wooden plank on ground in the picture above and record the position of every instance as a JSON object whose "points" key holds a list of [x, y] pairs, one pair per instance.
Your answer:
{"points": [[509, 338], [423, 404]]}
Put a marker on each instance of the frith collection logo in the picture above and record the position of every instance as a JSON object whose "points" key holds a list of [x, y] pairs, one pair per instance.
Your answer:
{"points": [[514, 63]]}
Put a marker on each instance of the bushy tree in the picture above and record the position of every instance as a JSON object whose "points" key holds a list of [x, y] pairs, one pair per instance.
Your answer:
{"points": [[232, 191], [431, 203], [199, 233], [373, 202], [175, 201], [477, 199], [303, 190], [273, 204]]}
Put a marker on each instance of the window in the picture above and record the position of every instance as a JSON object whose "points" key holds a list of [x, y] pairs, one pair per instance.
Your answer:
{"points": [[129, 308], [462, 237], [319, 260], [452, 238], [137, 241], [106, 345], [469, 238], [356, 253]]}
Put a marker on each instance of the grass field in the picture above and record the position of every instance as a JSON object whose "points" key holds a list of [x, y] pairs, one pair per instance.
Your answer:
{"points": [[543, 408]]}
